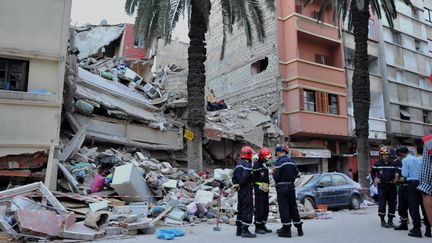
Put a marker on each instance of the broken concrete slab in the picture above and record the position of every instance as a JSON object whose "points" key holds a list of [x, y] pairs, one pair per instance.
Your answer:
{"points": [[132, 208], [176, 214], [130, 185], [103, 129], [203, 197], [39, 222], [90, 39], [222, 174], [79, 231], [94, 207], [170, 184]]}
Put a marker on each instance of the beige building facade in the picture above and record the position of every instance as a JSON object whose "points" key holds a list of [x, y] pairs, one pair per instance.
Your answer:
{"points": [[33, 44]]}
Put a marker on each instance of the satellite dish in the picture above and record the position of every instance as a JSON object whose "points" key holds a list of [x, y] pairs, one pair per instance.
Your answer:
{"points": [[104, 22]]}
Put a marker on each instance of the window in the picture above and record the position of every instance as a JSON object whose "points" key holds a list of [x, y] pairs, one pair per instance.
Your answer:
{"points": [[13, 74], [397, 39], [372, 30], [315, 14], [139, 41], [427, 117], [325, 181], [404, 114], [309, 100], [333, 104], [298, 8], [428, 15], [321, 59], [418, 45], [259, 66], [339, 180], [414, 13]]}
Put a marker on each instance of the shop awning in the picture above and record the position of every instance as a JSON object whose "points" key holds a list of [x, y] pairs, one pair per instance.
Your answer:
{"points": [[310, 153]]}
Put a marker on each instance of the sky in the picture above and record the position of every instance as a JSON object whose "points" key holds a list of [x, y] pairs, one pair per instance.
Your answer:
{"points": [[94, 11]]}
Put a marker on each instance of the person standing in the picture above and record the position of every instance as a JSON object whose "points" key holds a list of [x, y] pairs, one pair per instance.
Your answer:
{"points": [[411, 172], [242, 180], [384, 173], [425, 178], [402, 195], [285, 173], [261, 189]]}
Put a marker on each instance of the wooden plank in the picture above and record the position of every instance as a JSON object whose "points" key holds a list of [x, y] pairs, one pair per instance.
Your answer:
{"points": [[163, 214], [15, 173], [70, 178], [73, 146], [52, 169]]}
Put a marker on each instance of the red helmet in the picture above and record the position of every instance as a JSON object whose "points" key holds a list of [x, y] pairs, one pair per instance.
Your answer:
{"points": [[246, 152], [265, 153]]}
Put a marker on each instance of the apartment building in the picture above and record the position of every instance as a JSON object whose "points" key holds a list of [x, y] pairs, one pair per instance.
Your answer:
{"points": [[297, 74], [406, 68], [33, 43]]}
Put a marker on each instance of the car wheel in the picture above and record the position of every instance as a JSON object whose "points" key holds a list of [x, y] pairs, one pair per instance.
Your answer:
{"points": [[309, 204], [355, 202]]}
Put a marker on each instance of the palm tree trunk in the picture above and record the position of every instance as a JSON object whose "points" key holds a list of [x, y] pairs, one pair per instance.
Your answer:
{"points": [[196, 85], [361, 88]]}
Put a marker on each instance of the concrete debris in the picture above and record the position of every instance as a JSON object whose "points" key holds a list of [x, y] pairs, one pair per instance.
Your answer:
{"points": [[96, 220], [248, 124], [91, 39]]}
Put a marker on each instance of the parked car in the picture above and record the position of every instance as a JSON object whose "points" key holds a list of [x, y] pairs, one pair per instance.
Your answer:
{"points": [[331, 189]]}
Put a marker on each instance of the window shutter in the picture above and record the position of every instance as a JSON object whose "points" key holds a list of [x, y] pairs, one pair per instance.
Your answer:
{"points": [[301, 96], [325, 102], [318, 101]]}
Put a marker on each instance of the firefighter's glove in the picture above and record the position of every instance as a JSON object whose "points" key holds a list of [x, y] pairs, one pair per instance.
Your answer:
{"points": [[235, 187]]}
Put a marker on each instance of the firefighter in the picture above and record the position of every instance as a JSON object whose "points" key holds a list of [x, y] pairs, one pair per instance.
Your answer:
{"points": [[402, 206], [285, 173], [384, 173], [243, 181], [261, 189]]}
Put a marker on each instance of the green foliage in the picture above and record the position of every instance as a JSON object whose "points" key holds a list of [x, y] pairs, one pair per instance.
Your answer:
{"points": [[158, 18], [341, 9]]}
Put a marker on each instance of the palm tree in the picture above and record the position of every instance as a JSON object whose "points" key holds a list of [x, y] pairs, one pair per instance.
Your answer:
{"points": [[357, 13], [158, 18]]}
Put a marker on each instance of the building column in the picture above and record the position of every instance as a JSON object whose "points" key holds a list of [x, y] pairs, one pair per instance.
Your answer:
{"points": [[324, 165]]}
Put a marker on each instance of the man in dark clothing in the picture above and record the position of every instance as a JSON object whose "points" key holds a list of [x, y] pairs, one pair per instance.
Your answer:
{"points": [[384, 174], [402, 195], [243, 180], [261, 189], [285, 173], [411, 172]]}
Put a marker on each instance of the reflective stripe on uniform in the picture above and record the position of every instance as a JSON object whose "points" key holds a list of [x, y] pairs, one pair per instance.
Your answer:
{"points": [[283, 164], [243, 167], [385, 167]]}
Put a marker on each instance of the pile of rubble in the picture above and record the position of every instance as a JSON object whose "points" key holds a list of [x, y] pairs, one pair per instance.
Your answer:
{"points": [[112, 192]]}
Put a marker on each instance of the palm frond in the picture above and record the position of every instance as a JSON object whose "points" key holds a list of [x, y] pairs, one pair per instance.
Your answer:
{"points": [[130, 6], [256, 15]]}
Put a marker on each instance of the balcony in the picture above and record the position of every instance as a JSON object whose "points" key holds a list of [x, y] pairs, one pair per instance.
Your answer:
{"points": [[315, 72], [313, 123], [373, 49], [310, 26]]}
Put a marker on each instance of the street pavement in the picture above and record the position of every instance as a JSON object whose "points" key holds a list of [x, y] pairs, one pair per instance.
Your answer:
{"points": [[362, 226]]}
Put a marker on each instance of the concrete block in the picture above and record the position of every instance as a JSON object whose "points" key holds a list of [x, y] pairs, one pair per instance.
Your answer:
{"points": [[170, 184], [79, 231], [203, 197], [132, 208], [39, 222], [94, 207]]}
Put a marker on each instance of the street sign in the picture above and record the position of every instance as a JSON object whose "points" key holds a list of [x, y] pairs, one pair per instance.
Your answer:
{"points": [[189, 135]]}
